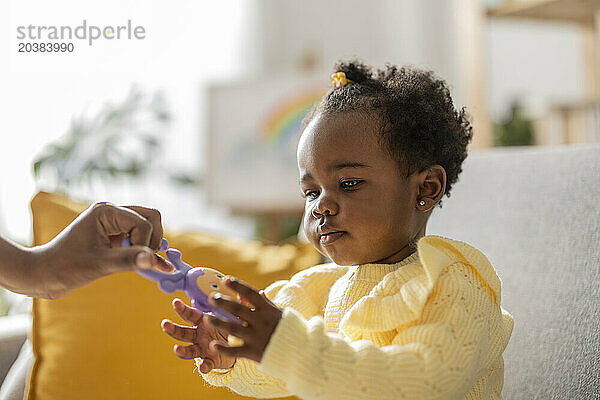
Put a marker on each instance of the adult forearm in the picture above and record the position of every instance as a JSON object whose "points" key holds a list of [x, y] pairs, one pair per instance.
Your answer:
{"points": [[19, 269], [88, 249], [48, 271]]}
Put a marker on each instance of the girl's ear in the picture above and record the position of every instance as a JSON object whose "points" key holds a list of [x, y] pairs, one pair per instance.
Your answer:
{"points": [[432, 186]]}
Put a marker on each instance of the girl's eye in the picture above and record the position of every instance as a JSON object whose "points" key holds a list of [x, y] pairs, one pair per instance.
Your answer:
{"points": [[351, 184], [219, 276], [310, 194], [214, 286]]}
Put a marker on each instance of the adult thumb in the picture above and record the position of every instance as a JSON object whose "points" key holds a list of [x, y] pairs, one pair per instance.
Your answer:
{"points": [[129, 258]]}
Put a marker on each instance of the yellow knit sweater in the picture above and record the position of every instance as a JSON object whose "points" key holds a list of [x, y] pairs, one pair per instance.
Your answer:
{"points": [[428, 327]]}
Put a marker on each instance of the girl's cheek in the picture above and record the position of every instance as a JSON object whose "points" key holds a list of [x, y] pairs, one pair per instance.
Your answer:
{"points": [[313, 238], [306, 223]]}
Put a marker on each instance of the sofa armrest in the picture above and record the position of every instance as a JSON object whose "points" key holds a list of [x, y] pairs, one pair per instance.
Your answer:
{"points": [[13, 333]]}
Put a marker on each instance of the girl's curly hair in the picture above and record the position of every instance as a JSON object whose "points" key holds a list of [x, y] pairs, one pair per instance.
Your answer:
{"points": [[419, 125]]}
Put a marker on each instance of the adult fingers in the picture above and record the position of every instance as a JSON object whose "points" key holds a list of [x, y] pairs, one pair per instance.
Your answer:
{"points": [[115, 220], [186, 312], [179, 332], [116, 240], [153, 216], [159, 262], [162, 264], [129, 258]]}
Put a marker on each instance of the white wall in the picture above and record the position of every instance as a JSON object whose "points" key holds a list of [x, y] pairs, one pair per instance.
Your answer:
{"points": [[190, 43], [420, 33], [539, 62], [187, 44]]}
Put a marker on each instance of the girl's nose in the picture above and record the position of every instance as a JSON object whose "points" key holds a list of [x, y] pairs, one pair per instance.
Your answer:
{"points": [[325, 206]]}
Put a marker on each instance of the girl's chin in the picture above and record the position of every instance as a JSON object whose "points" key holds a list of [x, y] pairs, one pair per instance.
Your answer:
{"points": [[346, 260], [342, 261], [338, 255]]}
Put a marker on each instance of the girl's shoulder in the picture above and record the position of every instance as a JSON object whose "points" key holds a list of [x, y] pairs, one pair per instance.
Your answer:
{"points": [[440, 260], [437, 253], [401, 295]]}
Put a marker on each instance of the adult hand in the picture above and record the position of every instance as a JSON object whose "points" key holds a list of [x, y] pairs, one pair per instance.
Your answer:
{"points": [[89, 248]]}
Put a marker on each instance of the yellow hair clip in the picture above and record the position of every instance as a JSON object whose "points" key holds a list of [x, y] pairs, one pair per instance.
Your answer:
{"points": [[339, 79]]}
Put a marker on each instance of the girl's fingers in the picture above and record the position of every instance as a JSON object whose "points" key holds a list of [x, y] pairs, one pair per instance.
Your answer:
{"points": [[227, 350], [232, 328], [246, 291], [230, 305], [206, 366], [179, 332], [188, 352], [186, 312]]}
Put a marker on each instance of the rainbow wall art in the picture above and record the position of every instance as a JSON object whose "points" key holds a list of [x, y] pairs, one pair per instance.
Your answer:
{"points": [[284, 123]]}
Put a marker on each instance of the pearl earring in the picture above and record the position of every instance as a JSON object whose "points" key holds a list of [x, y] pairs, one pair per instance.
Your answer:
{"points": [[422, 203]]}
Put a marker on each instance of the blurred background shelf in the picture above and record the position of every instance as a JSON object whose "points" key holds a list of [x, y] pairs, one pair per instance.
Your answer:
{"points": [[578, 121], [578, 11]]}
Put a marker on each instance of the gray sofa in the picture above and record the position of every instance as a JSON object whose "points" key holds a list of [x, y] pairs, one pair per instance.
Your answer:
{"points": [[13, 332], [535, 213]]}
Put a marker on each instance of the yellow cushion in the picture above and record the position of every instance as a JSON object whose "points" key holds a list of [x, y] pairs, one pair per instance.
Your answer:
{"points": [[104, 340]]}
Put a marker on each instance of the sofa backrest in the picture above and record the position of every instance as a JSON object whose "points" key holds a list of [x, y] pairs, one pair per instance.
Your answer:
{"points": [[535, 212]]}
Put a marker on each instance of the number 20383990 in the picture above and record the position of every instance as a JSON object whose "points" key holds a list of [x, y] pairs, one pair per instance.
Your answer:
{"points": [[36, 47]]}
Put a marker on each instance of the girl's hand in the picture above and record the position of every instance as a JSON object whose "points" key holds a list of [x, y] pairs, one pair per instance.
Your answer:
{"points": [[202, 336], [258, 323]]}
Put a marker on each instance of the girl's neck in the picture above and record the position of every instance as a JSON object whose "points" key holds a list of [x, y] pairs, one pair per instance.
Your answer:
{"points": [[408, 249], [400, 255]]}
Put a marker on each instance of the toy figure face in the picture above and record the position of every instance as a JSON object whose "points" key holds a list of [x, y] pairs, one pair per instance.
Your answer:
{"points": [[214, 281]]}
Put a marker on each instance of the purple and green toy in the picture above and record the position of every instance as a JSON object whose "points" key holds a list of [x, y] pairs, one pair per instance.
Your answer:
{"points": [[196, 282]]}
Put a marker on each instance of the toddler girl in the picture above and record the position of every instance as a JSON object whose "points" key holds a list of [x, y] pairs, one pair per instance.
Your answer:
{"points": [[397, 314]]}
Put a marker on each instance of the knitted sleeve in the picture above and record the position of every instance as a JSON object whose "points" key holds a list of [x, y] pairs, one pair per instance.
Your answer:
{"points": [[438, 355], [306, 293]]}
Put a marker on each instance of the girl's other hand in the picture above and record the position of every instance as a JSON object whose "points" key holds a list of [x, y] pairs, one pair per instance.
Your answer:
{"points": [[202, 337], [257, 322]]}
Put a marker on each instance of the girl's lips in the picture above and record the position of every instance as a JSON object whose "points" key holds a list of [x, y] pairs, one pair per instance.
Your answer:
{"points": [[330, 237]]}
